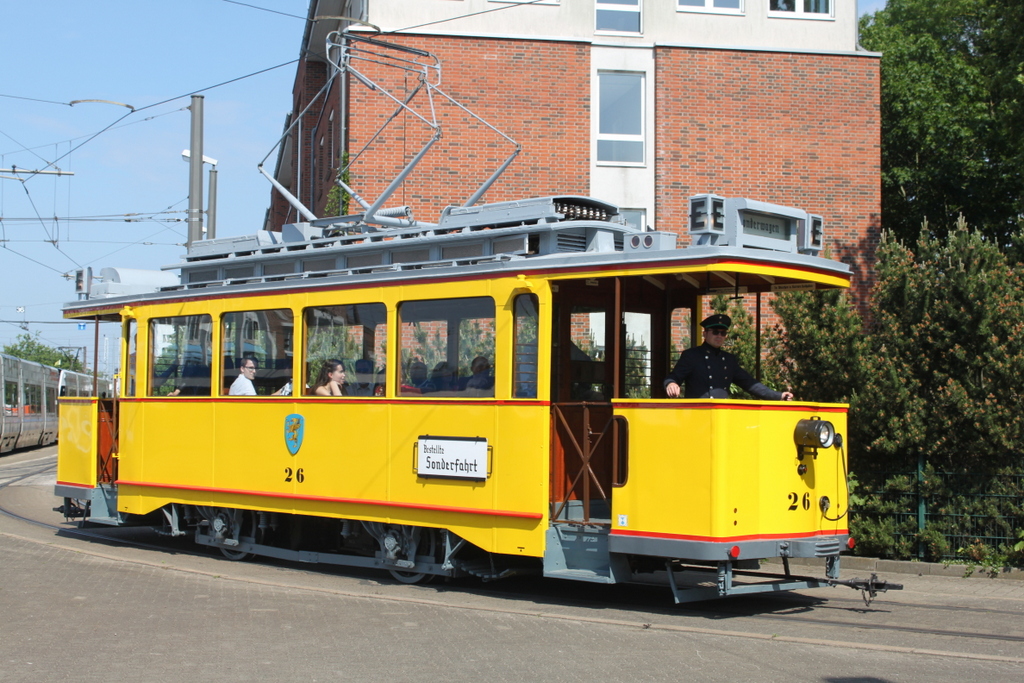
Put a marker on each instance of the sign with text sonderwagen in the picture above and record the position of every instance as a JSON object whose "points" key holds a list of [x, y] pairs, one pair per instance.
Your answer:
{"points": [[453, 457]]}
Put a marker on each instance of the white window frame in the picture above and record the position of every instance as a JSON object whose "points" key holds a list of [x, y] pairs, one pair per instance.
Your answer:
{"points": [[709, 8], [621, 137], [642, 215], [625, 9], [520, 2], [798, 12]]}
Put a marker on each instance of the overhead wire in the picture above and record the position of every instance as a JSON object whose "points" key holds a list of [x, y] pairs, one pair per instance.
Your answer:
{"points": [[48, 267], [71, 140], [112, 125], [464, 16], [265, 9], [109, 127], [134, 217]]}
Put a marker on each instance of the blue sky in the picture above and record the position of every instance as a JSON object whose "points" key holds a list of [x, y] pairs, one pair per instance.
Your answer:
{"points": [[125, 205], [139, 53], [869, 6]]}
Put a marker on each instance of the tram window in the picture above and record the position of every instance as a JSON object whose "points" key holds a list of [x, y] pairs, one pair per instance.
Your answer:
{"points": [[447, 347], [33, 399], [129, 375], [680, 339], [590, 379], [265, 337], [524, 380], [356, 335], [679, 328], [51, 400], [180, 353], [637, 375], [12, 403]]}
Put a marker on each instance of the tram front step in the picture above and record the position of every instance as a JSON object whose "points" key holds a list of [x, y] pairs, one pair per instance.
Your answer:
{"points": [[498, 569], [581, 553], [581, 575]]}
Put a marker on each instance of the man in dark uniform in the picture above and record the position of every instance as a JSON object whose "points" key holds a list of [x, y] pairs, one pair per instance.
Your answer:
{"points": [[707, 371]]}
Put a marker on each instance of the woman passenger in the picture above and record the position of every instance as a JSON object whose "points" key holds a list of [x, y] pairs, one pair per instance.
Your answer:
{"points": [[331, 380]]}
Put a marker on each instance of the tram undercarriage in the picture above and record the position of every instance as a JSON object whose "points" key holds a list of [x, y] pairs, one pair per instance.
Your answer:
{"points": [[411, 554], [417, 555]]}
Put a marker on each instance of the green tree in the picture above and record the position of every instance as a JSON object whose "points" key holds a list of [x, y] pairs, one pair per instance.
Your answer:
{"points": [[742, 341], [337, 198], [942, 375], [951, 113], [29, 347], [818, 348]]}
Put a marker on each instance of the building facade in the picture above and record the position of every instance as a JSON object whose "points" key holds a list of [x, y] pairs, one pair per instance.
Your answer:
{"points": [[641, 103]]}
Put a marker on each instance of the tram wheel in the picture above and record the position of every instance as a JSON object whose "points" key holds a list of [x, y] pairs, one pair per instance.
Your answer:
{"points": [[233, 522], [429, 545], [411, 578], [235, 555]]}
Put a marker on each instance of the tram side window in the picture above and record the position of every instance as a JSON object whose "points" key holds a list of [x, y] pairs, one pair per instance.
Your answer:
{"points": [[51, 400], [264, 338], [524, 352], [637, 376], [355, 336], [591, 380], [130, 333], [33, 399], [680, 324], [447, 347], [181, 350], [12, 404]]}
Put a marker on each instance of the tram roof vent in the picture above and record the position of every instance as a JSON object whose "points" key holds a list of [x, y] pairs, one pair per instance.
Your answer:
{"points": [[222, 246]]}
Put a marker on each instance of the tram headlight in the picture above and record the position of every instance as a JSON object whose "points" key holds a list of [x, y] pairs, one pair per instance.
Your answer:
{"points": [[814, 433]]}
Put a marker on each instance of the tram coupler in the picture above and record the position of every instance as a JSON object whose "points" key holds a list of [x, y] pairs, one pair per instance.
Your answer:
{"points": [[868, 588], [71, 511]]}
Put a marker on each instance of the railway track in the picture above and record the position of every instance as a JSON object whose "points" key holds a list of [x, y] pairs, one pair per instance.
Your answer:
{"points": [[831, 619]]}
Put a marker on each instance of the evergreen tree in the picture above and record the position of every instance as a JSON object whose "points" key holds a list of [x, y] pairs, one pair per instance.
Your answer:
{"points": [[817, 350], [942, 377]]}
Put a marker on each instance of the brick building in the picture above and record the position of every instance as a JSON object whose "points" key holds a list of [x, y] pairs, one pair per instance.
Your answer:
{"points": [[642, 103]]}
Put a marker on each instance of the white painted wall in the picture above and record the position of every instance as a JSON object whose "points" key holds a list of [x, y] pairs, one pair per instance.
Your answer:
{"points": [[663, 23]]}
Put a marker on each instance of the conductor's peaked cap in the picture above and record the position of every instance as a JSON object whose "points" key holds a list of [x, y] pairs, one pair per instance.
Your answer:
{"points": [[717, 320]]}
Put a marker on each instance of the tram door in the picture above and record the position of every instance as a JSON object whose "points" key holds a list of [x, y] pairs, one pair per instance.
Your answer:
{"points": [[585, 366], [611, 340]]}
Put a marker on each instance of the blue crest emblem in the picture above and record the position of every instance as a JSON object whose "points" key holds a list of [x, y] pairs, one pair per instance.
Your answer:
{"points": [[293, 427]]}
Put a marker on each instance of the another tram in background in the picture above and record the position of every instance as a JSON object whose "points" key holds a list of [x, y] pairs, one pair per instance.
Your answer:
{"points": [[30, 407], [502, 411]]}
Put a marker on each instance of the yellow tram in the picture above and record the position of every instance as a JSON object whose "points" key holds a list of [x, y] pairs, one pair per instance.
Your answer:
{"points": [[477, 396], [561, 456]]}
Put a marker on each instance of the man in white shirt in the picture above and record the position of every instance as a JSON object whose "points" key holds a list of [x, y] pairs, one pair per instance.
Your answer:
{"points": [[243, 384]]}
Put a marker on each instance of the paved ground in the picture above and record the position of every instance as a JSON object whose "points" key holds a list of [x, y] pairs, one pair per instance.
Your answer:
{"points": [[87, 610]]}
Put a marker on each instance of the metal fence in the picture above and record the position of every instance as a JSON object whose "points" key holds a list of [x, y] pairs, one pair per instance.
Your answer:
{"points": [[971, 512]]}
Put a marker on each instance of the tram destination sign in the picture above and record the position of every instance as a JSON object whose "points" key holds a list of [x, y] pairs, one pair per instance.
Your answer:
{"points": [[742, 222], [452, 457], [762, 225]]}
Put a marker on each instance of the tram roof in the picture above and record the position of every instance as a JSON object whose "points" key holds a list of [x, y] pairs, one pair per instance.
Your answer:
{"points": [[552, 238]]}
